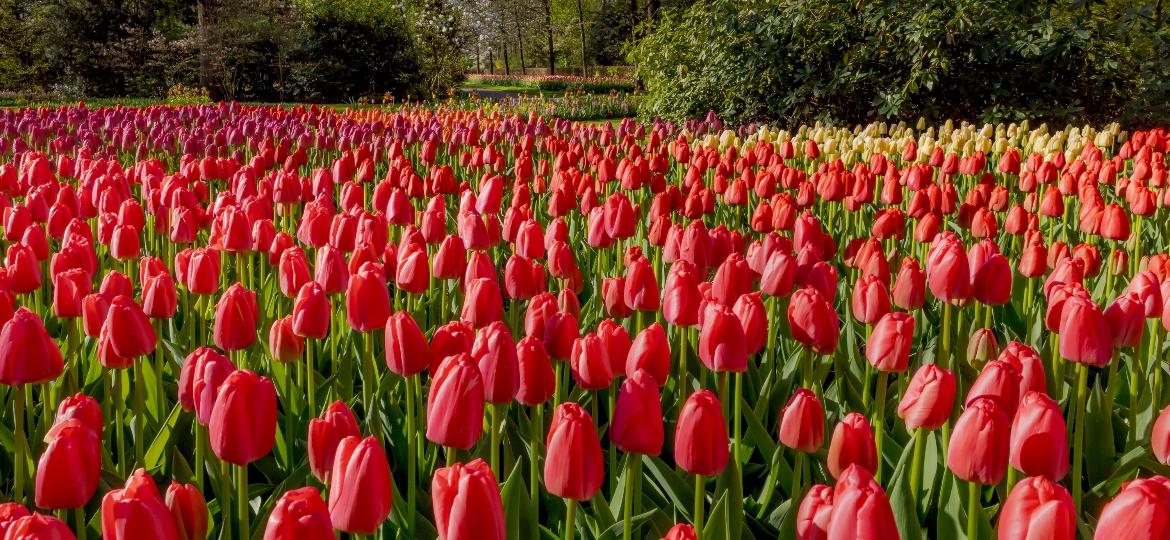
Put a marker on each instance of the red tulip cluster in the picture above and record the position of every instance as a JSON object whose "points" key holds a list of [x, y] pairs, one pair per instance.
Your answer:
{"points": [[427, 323]]}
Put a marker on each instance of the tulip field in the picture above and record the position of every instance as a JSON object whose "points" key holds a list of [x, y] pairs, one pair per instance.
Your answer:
{"points": [[420, 321]]}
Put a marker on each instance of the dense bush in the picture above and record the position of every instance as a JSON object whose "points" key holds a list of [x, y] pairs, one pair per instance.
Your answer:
{"points": [[846, 61], [256, 50]]}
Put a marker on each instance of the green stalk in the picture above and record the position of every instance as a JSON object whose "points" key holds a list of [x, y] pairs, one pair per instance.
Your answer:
{"points": [[945, 351], [411, 458], [200, 453], [494, 451], [1079, 433], [1112, 383], [310, 381], [627, 501], [80, 527], [537, 433], [21, 443], [139, 417], [242, 501], [797, 490], [879, 421], [570, 517], [916, 463], [119, 433], [225, 493], [700, 494], [681, 381], [738, 431], [368, 383], [972, 509]]}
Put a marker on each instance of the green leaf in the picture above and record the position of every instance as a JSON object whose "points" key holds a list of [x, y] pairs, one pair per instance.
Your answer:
{"points": [[162, 442]]}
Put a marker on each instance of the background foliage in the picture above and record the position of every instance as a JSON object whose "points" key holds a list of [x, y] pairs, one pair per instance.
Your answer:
{"points": [[849, 61]]}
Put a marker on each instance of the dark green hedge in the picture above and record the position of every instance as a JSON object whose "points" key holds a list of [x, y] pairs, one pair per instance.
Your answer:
{"points": [[853, 61]]}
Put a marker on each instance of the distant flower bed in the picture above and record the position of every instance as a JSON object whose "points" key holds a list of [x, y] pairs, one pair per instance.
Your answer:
{"points": [[556, 82], [570, 106]]}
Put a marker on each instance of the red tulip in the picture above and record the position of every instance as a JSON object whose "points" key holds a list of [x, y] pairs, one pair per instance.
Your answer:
{"points": [[284, 344], [980, 443], [132, 513], [592, 368], [69, 289], [455, 403], [813, 321], [1037, 508], [999, 381], [700, 436], [203, 372], [189, 510], [236, 318], [1084, 333], [681, 531], [537, 380], [83, 408], [482, 303], [1039, 442], [636, 426], [852, 444], [753, 317], [722, 345], [27, 354], [680, 297], [573, 467], [68, 470], [1160, 436], [159, 297], [311, 312], [128, 329], [888, 347], [202, 271], [495, 352], [407, 351], [300, 514], [860, 508], [325, 433], [39, 527], [1139, 510], [814, 513], [1126, 320], [243, 419], [802, 422], [641, 287], [466, 502], [992, 281], [330, 270], [293, 271], [909, 290], [947, 272], [928, 398], [870, 300], [360, 493], [367, 301], [650, 351]]}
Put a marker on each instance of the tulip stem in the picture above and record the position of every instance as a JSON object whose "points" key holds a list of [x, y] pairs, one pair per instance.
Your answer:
{"points": [[627, 500], [797, 477], [700, 494], [139, 417], [916, 463], [310, 381], [879, 421], [945, 351], [119, 432], [368, 382], [242, 500], [737, 396], [80, 528], [681, 381], [200, 452], [494, 450], [570, 517], [1079, 432], [18, 439], [972, 509], [537, 435], [411, 457], [225, 494], [1111, 382]]}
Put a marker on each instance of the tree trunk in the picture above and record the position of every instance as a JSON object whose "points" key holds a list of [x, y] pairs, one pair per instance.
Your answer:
{"points": [[491, 62], [478, 69], [552, 57], [581, 19], [507, 66], [519, 42], [633, 16], [204, 61], [652, 7]]}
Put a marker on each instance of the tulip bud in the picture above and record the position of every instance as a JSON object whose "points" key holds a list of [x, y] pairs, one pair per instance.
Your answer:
{"points": [[189, 510], [980, 442], [455, 403], [852, 444], [636, 426], [1039, 442], [573, 466], [466, 502], [325, 433], [284, 344], [68, 470], [40, 527], [650, 352], [813, 321], [300, 514], [1038, 508], [243, 420], [888, 347], [360, 491], [236, 318], [928, 398], [861, 508], [407, 351], [802, 422], [722, 345], [1139, 510], [700, 436], [537, 380], [27, 354]]}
